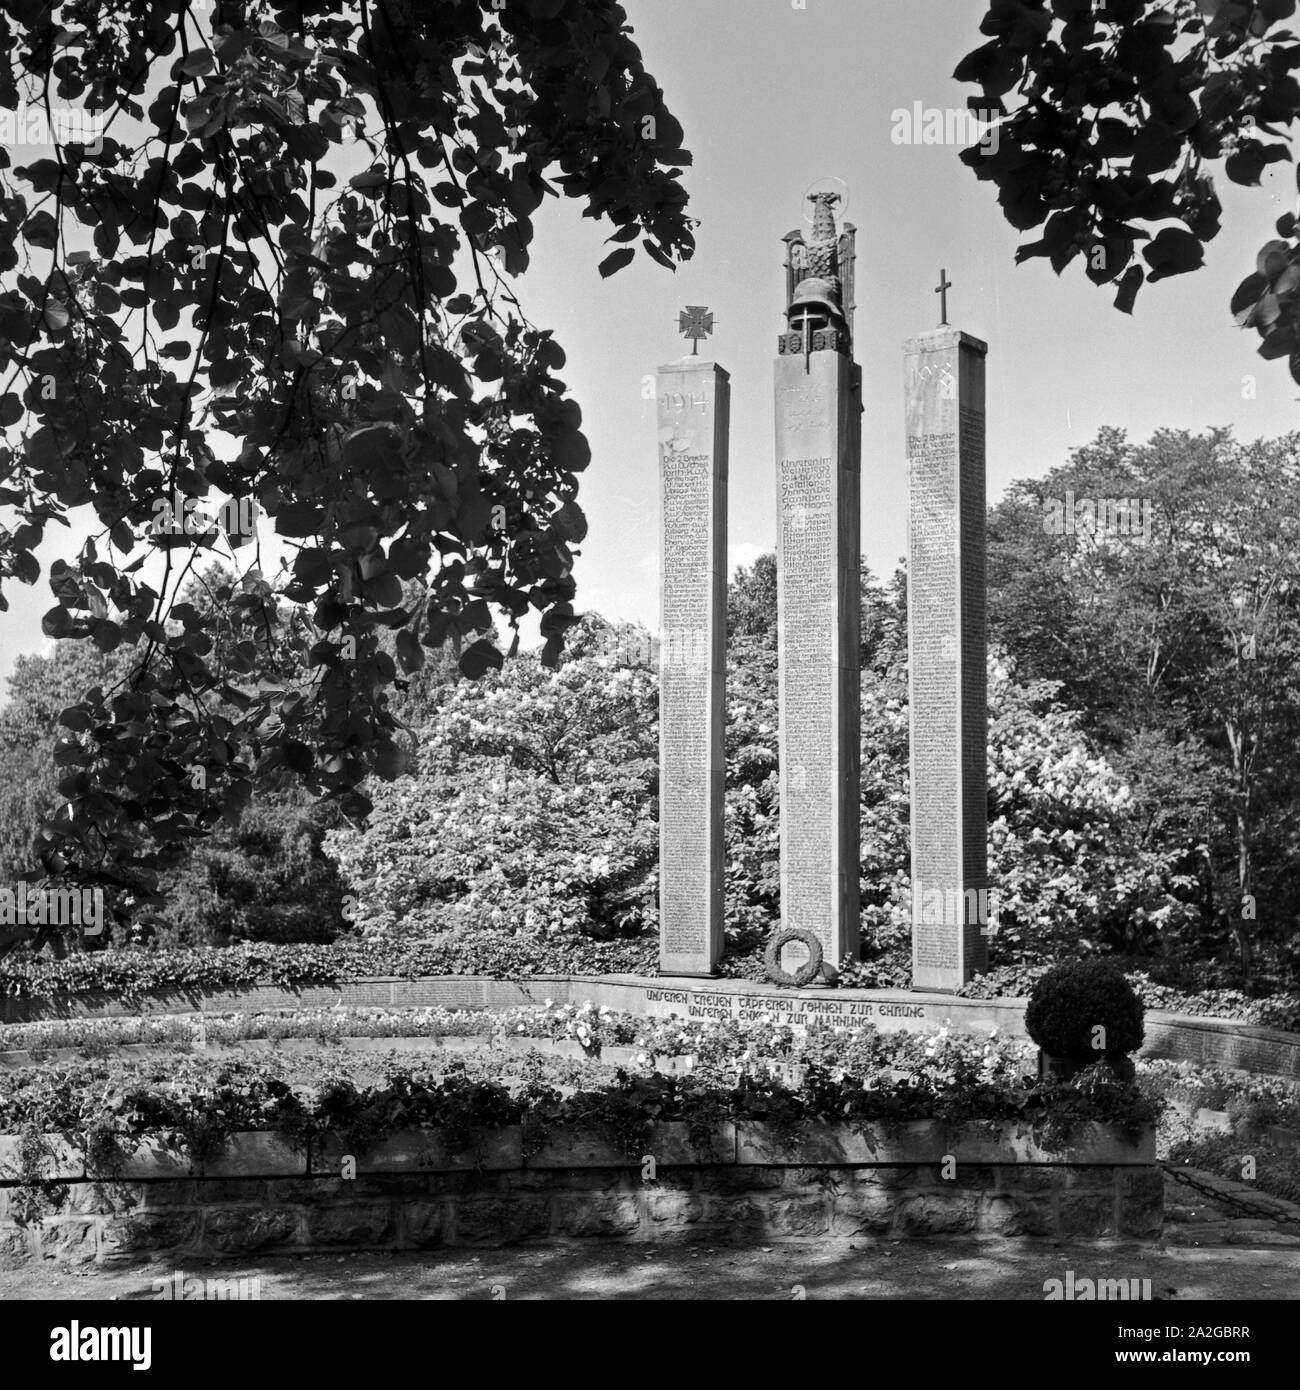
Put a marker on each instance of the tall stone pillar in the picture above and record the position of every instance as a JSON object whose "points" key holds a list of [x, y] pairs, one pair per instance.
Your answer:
{"points": [[818, 409], [946, 658], [694, 416]]}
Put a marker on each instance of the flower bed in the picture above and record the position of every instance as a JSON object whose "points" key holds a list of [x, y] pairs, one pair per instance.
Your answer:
{"points": [[594, 1029], [198, 1101]]}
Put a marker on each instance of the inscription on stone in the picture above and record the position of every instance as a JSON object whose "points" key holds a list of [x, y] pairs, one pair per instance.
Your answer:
{"points": [[817, 409], [684, 677], [800, 1011], [932, 623], [808, 551], [693, 403]]}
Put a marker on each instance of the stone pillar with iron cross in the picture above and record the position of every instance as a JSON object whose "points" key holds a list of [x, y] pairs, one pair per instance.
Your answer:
{"points": [[694, 402], [951, 913]]}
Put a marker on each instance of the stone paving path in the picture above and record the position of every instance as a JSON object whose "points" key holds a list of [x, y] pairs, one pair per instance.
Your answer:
{"points": [[935, 1270], [1203, 1210]]}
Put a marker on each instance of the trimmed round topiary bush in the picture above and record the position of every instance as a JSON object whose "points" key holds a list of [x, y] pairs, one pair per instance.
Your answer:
{"points": [[1085, 1010]]}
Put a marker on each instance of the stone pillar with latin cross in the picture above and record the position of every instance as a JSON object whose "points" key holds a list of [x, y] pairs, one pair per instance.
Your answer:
{"points": [[947, 683], [818, 427], [694, 414]]}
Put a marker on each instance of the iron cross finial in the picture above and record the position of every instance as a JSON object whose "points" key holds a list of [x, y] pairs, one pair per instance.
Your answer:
{"points": [[941, 290], [695, 322]]}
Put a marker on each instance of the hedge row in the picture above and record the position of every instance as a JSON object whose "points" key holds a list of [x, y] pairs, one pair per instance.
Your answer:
{"points": [[201, 1101], [133, 974]]}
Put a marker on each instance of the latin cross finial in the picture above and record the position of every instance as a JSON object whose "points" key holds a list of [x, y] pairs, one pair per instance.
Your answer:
{"points": [[695, 322], [941, 290]]}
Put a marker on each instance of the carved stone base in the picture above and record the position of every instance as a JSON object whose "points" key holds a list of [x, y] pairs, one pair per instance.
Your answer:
{"points": [[823, 340]]}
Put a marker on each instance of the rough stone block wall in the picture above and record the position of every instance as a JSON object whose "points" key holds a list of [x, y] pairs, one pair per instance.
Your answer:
{"points": [[718, 1204]]}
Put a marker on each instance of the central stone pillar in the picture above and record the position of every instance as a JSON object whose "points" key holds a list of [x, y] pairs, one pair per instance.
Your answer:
{"points": [[818, 410]]}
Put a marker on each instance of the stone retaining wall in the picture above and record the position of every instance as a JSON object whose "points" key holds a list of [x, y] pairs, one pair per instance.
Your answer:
{"points": [[263, 1195], [1209, 1041]]}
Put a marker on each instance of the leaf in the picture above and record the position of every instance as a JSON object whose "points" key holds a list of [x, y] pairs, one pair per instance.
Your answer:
{"points": [[659, 255], [1173, 252], [1246, 164], [1128, 289], [390, 761], [41, 230], [197, 63], [106, 635], [615, 261], [570, 522], [369, 179], [479, 658], [27, 568], [297, 756], [57, 622], [299, 519], [409, 651], [1280, 342], [1248, 294]]}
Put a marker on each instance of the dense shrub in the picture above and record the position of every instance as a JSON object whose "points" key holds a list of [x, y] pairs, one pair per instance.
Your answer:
{"points": [[1071, 1001], [532, 814]]}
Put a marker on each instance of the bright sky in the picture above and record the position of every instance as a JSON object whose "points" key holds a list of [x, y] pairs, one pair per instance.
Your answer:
{"points": [[773, 97]]}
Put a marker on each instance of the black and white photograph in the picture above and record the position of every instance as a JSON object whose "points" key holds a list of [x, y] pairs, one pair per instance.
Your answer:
{"points": [[649, 651]]}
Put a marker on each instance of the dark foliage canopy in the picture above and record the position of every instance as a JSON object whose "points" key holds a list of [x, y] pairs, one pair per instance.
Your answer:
{"points": [[1114, 112], [210, 299]]}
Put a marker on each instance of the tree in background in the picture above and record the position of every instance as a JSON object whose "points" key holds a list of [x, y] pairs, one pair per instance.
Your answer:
{"points": [[265, 879], [38, 690], [260, 874], [1182, 650]]}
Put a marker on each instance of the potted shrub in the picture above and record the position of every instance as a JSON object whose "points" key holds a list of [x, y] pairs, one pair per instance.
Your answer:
{"points": [[1083, 1012]]}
